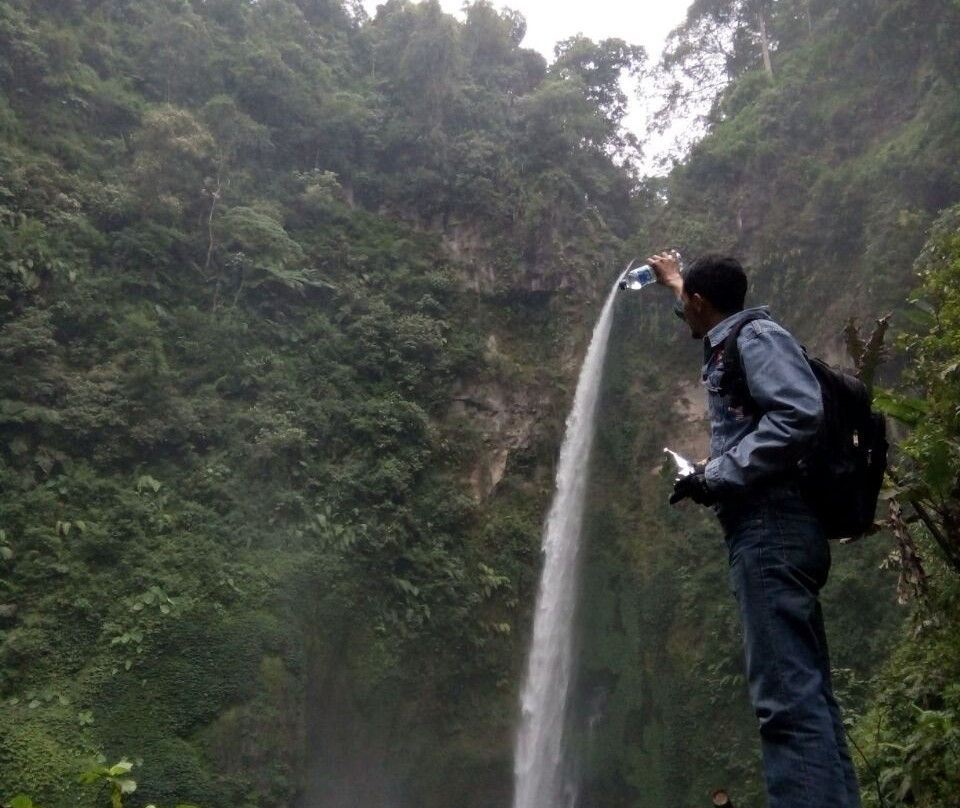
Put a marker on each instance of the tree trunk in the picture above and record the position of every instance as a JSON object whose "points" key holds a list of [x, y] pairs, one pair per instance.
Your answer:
{"points": [[765, 45], [214, 198]]}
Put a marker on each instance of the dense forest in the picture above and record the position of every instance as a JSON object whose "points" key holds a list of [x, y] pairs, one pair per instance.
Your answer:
{"points": [[292, 305]]}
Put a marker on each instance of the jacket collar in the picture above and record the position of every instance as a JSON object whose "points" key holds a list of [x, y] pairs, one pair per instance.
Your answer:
{"points": [[717, 334]]}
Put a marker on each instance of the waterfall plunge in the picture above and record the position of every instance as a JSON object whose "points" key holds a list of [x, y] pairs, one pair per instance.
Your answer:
{"points": [[539, 768]]}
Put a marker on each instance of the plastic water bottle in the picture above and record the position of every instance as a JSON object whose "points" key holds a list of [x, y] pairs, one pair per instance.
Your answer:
{"points": [[637, 277]]}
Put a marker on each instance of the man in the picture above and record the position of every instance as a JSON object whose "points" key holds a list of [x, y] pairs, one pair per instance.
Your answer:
{"points": [[778, 555]]}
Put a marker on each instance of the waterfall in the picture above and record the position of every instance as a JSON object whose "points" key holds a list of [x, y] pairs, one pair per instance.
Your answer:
{"points": [[540, 779]]}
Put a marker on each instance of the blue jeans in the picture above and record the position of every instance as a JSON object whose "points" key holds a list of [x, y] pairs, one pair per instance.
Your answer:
{"points": [[779, 560]]}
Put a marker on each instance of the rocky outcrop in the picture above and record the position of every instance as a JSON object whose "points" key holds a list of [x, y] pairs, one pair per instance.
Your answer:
{"points": [[486, 267], [506, 418]]}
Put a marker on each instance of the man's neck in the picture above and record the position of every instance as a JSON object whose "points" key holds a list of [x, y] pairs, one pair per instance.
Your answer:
{"points": [[714, 318]]}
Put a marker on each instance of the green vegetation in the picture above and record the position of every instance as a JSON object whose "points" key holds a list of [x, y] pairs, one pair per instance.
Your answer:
{"points": [[292, 302], [113, 781], [236, 493], [912, 727]]}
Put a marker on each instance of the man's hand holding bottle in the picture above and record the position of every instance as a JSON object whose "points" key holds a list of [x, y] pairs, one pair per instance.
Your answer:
{"points": [[691, 482]]}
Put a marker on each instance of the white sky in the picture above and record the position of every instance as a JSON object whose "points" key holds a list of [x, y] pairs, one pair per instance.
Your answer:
{"points": [[638, 22]]}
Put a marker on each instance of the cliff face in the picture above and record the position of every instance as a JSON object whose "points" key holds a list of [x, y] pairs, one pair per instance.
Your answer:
{"points": [[507, 418]]}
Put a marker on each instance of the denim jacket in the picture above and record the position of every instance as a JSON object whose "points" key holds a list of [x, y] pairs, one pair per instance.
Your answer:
{"points": [[751, 452]]}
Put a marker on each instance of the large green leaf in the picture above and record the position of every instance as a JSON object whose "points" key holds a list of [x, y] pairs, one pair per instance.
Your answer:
{"points": [[903, 408]]}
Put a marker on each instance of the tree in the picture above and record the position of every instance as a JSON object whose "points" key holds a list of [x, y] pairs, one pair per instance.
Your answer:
{"points": [[491, 45], [601, 67], [174, 153], [719, 41]]}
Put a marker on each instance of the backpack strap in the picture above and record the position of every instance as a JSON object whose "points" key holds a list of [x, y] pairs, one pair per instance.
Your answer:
{"points": [[733, 382]]}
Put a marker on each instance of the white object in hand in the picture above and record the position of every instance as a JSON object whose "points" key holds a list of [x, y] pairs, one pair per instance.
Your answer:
{"points": [[684, 467]]}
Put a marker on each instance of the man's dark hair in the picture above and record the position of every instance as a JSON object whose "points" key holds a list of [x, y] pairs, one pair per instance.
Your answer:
{"points": [[719, 279]]}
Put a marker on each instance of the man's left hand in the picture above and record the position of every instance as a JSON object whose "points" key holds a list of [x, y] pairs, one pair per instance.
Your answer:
{"points": [[693, 486]]}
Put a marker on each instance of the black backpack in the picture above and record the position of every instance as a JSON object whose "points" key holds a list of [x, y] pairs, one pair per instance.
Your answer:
{"points": [[842, 474]]}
